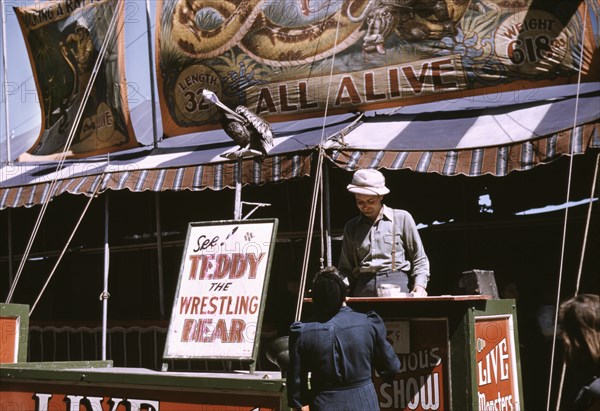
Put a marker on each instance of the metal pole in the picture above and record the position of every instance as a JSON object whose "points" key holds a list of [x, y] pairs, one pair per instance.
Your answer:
{"points": [[5, 70], [327, 207], [105, 295], [237, 215], [151, 67], [161, 294]]}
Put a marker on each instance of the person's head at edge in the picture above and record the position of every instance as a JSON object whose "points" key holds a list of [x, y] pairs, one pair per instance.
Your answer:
{"points": [[579, 319], [328, 293], [368, 187]]}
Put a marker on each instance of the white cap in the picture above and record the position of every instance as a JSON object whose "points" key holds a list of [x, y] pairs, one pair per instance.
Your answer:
{"points": [[368, 182]]}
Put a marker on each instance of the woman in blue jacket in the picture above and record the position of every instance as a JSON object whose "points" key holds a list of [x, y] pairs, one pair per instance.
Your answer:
{"points": [[339, 350]]}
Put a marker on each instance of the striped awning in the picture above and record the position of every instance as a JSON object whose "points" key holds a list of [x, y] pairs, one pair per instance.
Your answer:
{"points": [[473, 137], [194, 178], [193, 162], [450, 138], [498, 161]]}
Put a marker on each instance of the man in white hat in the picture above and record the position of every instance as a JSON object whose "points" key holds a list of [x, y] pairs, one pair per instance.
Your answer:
{"points": [[369, 257]]}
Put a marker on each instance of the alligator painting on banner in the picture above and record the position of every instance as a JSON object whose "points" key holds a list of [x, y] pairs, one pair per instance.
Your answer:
{"points": [[296, 58]]}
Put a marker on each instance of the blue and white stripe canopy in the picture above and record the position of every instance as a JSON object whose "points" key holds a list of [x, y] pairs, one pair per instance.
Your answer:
{"points": [[488, 134]]}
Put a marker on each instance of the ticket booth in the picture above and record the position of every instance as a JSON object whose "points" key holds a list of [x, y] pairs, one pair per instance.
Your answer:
{"points": [[456, 352]]}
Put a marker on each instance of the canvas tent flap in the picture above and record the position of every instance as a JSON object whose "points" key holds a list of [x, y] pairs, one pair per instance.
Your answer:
{"points": [[472, 139], [497, 161], [450, 139], [192, 162]]}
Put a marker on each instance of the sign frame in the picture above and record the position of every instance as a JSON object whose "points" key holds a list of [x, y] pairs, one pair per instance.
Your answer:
{"points": [[412, 352], [207, 255], [495, 329], [14, 332]]}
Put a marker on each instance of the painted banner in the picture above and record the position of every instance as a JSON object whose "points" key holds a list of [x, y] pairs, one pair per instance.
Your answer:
{"points": [[64, 39], [290, 59], [217, 311], [423, 381], [497, 376], [100, 397]]}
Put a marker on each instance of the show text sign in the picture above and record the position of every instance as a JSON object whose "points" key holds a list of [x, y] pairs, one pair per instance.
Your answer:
{"points": [[217, 311], [423, 380]]}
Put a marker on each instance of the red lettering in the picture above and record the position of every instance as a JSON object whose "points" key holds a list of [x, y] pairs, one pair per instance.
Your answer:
{"points": [[238, 266], [237, 328], [394, 80], [254, 262], [184, 305], [438, 68], [416, 83], [283, 98], [194, 267], [220, 332], [195, 305], [187, 327], [370, 88], [223, 266], [347, 92], [304, 104], [265, 98], [207, 264], [202, 329], [213, 305]]}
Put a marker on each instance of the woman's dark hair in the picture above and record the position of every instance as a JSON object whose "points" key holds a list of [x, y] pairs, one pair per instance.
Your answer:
{"points": [[579, 319], [328, 292]]}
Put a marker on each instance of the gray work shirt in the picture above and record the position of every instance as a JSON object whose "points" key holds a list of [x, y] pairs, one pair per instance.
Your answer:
{"points": [[367, 246]]}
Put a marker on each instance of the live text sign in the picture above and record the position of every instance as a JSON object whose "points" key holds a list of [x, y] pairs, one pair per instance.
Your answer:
{"points": [[497, 383], [217, 311], [52, 396]]}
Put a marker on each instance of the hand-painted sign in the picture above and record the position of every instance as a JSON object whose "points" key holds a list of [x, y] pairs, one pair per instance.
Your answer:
{"points": [[83, 101], [49, 396], [423, 381], [217, 310], [497, 382], [294, 58]]}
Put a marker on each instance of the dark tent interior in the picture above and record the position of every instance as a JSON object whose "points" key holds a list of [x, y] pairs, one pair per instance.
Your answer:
{"points": [[460, 234], [484, 222]]}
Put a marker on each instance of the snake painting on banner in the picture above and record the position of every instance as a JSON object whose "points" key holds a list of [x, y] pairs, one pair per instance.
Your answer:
{"points": [[288, 59]]}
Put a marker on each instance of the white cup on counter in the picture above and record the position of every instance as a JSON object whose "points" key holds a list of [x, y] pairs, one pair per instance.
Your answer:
{"points": [[390, 290]]}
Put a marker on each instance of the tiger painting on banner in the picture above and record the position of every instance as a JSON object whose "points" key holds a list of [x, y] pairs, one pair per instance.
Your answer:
{"points": [[289, 59]]}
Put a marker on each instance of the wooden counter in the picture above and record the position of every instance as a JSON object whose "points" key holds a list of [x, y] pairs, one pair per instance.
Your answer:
{"points": [[99, 386], [457, 352]]}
